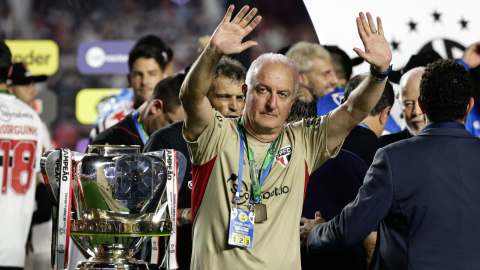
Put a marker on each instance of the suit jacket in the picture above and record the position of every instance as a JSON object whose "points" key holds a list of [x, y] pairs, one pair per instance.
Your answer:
{"points": [[424, 192]]}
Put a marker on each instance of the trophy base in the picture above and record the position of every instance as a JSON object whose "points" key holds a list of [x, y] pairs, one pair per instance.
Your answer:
{"points": [[105, 264]]}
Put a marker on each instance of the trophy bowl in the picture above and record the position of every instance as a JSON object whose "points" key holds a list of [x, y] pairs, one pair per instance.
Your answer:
{"points": [[119, 198]]}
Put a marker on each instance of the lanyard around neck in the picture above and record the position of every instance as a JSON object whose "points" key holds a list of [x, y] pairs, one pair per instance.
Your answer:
{"points": [[3, 91], [141, 131], [256, 177]]}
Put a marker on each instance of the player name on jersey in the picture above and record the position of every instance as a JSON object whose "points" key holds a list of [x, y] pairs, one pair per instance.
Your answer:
{"points": [[18, 129]]}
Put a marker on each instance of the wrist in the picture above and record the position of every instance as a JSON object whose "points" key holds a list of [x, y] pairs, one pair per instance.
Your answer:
{"points": [[465, 64], [185, 218], [213, 52], [379, 77], [381, 69]]}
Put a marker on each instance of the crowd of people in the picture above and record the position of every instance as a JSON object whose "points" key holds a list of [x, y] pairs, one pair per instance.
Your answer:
{"points": [[326, 189]]}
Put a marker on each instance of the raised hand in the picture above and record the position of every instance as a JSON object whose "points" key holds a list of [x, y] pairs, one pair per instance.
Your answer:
{"points": [[377, 51], [228, 36], [471, 56]]}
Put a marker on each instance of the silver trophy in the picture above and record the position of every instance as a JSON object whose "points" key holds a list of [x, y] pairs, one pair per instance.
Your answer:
{"points": [[110, 200]]}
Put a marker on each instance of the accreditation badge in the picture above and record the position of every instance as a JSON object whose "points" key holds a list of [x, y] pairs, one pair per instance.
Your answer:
{"points": [[240, 232]]}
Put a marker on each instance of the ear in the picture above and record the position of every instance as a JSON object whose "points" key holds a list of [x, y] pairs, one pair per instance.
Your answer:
{"points": [[470, 105], [156, 107], [384, 115], [420, 103], [304, 79], [10, 71], [244, 91], [129, 79]]}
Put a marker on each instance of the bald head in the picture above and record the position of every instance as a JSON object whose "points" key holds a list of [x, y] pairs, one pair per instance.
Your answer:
{"points": [[410, 81], [409, 93], [270, 58]]}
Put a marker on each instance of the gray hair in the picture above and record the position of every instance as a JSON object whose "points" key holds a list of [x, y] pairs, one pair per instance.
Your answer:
{"points": [[303, 53], [269, 58]]}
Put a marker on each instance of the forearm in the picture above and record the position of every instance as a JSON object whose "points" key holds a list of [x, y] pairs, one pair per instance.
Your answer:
{"points": [[332, 236], [199, 78], [363, 99], [359, 218], [198, 111], [356, 108]]}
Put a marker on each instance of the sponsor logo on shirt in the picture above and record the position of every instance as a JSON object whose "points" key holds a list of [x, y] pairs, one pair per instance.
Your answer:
{"points": [[314, 122], [6, 115], [283, 156], [245, 194], [219, 117], [277, 191]]}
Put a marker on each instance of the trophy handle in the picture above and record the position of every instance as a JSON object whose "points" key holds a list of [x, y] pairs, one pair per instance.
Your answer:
{"points": [[48, 166]]}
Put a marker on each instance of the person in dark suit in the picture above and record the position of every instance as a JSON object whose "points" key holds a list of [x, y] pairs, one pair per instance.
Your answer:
{"points": [[330, 188], [421, 192], [364, 140]]}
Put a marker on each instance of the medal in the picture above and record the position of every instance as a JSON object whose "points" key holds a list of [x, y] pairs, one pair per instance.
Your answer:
{"points": [[260, 211]]}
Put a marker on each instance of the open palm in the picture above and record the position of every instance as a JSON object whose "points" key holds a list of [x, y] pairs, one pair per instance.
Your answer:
{"points": [[228, 36], [377, 51]]}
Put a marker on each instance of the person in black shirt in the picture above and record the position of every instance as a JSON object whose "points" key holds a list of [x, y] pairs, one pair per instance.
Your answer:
{"points": [[364, 140], [162, 108], [225, 95]]}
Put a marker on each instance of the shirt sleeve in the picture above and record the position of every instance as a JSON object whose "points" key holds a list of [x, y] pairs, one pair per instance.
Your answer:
{"points": [[313, 134], [359, 218], [212, 140]]}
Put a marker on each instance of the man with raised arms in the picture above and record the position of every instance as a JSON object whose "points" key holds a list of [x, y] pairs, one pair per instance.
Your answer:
{"points": [[228, 155]]}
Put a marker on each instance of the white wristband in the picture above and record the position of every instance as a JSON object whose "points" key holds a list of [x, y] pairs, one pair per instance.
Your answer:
{"points": [[184, 216]]}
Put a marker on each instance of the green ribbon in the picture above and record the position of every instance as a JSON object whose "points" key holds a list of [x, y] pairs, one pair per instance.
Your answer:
{"points": [[3, 91], [258, 177]]}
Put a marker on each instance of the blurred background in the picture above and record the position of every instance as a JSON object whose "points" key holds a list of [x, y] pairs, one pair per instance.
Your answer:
{"points": [[180, 23], [75, 31]]}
